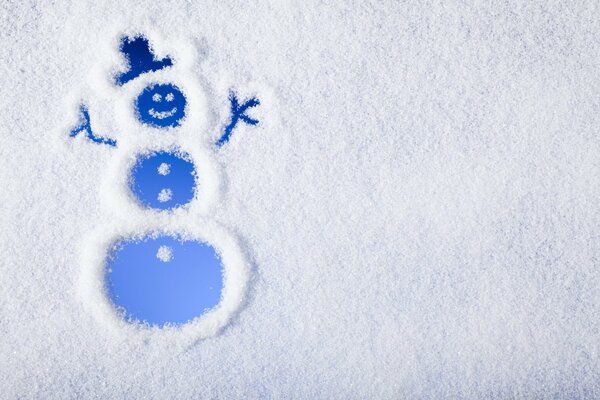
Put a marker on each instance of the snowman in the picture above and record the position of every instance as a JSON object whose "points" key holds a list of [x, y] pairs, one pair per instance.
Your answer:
{"points": [[160, 265]]}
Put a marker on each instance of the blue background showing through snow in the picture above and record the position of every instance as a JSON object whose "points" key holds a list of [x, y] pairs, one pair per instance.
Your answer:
{"points": [[159, 292], [146, 182]]}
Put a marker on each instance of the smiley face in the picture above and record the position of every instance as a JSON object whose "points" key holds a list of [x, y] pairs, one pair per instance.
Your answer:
{"points": [[163, 180], [161, 105]]}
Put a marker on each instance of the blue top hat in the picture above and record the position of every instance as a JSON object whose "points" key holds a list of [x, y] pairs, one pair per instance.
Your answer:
{"points": [[141, 59]]}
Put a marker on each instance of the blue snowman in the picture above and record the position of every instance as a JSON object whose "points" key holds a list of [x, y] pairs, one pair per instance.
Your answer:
{"points": [[162, 279]]}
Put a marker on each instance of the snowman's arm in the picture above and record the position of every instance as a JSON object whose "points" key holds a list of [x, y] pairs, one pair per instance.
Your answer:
{"points": [[87, 128], [238, 112]]}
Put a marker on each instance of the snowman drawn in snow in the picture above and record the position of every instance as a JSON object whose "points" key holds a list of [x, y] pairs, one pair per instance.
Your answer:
{"points": [[169, 266]]}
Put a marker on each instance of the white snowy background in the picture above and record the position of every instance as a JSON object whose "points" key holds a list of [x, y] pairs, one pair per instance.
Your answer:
{"points": [[420, 203]]}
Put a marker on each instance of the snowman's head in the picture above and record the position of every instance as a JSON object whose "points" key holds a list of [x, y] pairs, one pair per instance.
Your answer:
{"points": [[161, 105]]}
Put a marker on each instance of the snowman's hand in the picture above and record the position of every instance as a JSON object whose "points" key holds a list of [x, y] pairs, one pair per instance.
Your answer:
{"points": [[238, 112], [87, 128]]}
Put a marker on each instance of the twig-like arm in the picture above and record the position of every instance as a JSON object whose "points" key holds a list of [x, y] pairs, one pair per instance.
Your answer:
{"points": [[238, 113], [87, 128]]}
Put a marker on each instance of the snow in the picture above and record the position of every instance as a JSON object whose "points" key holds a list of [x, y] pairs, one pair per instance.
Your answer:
{"points": [[417, 214], [165, 195], [164, 253], [164, 169]]}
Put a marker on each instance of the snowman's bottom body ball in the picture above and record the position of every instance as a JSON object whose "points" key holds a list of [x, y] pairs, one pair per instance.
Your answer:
{"points": [[163, 280], [174, 282]]}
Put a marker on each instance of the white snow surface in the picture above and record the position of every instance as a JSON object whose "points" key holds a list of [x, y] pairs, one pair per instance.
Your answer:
{"points": [[417, 215]]}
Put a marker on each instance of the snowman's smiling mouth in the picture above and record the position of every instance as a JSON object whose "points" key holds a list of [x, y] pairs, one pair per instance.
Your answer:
{"points": [[162, 114]]}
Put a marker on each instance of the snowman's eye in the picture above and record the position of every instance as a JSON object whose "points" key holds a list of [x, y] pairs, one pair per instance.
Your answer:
{"points": [[156, 97], [170, 97]]}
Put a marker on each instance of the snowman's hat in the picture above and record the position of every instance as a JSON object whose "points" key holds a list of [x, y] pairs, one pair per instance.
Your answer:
{"points": [[140, 58]]}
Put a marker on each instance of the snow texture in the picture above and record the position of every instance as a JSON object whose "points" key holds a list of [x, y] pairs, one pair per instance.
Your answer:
{"points": [[164, 169], [417, 214], [165, 195], [164, 253]]}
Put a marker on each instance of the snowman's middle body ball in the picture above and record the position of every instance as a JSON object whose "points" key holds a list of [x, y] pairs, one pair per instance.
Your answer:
{"points": [[163, 180]]}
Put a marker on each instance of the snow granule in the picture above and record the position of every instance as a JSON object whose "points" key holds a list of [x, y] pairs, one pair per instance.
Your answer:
{"points": [[165, 195], [164, 254], [164, 169]]}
